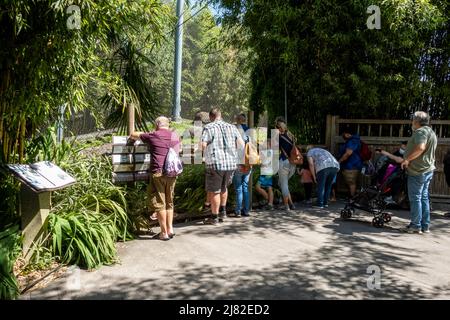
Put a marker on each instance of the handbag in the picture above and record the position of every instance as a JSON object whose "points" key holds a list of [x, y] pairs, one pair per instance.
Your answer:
{"points": [[295, 157]]}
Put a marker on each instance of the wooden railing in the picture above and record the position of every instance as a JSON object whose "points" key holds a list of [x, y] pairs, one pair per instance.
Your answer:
{"points": [[388, 134]]}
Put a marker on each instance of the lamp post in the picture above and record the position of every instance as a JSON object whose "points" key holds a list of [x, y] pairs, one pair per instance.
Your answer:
{"points": [[176, 110]]}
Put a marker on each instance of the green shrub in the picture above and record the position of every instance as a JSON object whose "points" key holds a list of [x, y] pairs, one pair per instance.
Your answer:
{"points": [[137, 204], [94, 192], [10, 248], [190, 192], [84, 238], [89, 216]]}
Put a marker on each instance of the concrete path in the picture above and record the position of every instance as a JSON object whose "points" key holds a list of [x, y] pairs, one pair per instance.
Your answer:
{"points": [[307, 254]]}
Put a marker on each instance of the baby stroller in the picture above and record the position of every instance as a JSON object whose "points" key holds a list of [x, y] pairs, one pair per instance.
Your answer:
{"points": [[388, 181]]}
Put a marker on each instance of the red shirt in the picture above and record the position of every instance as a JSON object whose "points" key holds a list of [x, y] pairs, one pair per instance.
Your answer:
{"points": [[159, 142], [306, 176]]}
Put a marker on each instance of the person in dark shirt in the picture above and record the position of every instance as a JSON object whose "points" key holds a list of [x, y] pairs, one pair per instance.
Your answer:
{"points": [[350, 159], [286, 169], [161, 188]]}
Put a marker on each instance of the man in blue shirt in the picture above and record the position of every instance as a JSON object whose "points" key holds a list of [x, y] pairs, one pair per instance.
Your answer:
{"points": [[350, 159]]}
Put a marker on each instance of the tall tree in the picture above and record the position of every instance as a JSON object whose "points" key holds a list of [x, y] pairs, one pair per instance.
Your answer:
{"points": [[334, 64], [44, 62]]}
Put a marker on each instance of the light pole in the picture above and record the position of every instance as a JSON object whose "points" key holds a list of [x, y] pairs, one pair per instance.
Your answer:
{"points": [[176, 110]]}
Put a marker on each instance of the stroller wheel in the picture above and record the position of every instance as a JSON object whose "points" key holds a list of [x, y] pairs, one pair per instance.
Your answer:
{"points": [[349, 213], [378, 222], [346, 214], [387, 217]]}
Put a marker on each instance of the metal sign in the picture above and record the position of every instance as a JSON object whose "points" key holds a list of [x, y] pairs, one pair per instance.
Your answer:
{"points": [[42, 176], [131, 161]]}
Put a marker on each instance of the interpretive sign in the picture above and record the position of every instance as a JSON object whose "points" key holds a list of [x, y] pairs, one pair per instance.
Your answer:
{"points": [[131, 160], [42, 176], [38, 180]]}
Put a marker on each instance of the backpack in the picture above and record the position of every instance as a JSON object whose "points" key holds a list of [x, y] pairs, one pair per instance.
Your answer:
{"points": [[173, 166], [295, 157], [365, 153]]}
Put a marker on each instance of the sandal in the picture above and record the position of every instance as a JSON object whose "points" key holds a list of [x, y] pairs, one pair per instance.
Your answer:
{"points": [[171, 235], [158, 237]]}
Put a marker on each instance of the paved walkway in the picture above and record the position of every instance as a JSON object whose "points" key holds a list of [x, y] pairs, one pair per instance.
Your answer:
{"points": [[307, 254]]}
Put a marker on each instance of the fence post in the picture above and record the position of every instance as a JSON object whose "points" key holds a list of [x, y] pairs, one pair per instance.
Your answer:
{"points": [[251, 124], [328, 132], [334, 132]]}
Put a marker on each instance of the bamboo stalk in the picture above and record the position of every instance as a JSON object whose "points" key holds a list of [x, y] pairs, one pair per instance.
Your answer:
{"points": [[22, 140]]}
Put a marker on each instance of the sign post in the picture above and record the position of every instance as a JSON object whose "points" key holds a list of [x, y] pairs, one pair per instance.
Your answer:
{"points": [[38, 180]]}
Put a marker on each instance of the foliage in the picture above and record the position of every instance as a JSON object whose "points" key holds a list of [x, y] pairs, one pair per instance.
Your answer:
{"points": [[46, 147], [137, 206], [69, 61], [88, 217], [9, 251], [213, 71], [190, 189], [83, 237], [331, 63], [95, 193]]}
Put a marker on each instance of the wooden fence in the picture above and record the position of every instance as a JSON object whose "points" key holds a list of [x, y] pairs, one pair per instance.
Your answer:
{"points": [[387, 135]]}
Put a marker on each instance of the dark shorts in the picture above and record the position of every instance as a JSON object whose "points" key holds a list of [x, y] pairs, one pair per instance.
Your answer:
{"points": [[160, 192], [218, 181]]}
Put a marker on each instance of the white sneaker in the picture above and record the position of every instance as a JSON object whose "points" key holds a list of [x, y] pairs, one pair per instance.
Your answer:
{"points": [[408, 229]]}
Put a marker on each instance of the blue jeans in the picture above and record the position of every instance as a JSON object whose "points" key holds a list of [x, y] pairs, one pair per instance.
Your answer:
{"points": [[325, 178], [240, 182], [419, 200]]}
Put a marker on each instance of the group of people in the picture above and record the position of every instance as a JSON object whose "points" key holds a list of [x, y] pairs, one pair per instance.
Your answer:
{"points": [[223, 143]]}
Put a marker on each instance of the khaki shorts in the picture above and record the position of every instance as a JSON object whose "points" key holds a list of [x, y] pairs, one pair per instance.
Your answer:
{"points": [[217, 181], [351, 176], [161, 191]]}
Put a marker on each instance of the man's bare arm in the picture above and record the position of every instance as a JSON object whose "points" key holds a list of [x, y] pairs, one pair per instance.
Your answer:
{"points": [[392, 157], [136, 135], [416, 152], [347, 154]]}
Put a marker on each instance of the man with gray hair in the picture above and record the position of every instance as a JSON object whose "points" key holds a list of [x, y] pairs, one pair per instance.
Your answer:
{"points": [[419, 160], [161, 188]]}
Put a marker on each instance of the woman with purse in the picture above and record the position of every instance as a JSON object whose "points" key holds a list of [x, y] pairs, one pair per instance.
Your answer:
{"points": [[289, 158]]}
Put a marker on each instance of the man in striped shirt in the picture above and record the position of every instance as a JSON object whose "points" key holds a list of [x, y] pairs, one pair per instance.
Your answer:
{"points": [[221, 143]]}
